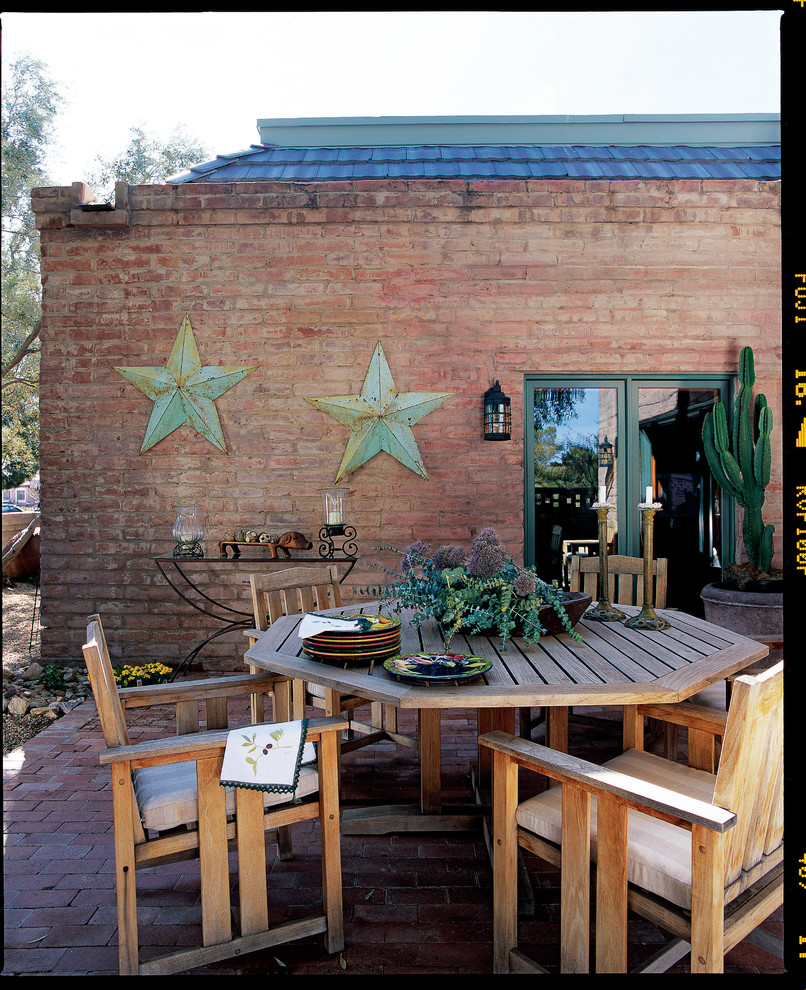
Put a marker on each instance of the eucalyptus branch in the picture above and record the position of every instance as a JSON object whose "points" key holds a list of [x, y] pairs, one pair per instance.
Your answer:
{"points": [[489, 592]]}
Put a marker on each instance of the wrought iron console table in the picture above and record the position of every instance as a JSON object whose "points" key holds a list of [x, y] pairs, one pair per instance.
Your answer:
{"points": [[175, 572]]}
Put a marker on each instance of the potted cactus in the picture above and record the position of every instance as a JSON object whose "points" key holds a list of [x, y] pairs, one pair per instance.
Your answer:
{"points": [[750, 598]]}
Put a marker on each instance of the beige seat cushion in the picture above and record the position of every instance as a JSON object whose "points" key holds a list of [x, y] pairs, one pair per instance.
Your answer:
{"points": [[659, 853], [166, 795]]}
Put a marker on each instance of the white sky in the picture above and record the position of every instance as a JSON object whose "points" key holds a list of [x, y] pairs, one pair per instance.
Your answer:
{"points": [[218, 73]]}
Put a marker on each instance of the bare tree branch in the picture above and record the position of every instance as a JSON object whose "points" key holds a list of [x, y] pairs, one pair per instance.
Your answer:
{"points": [[20, 354]]}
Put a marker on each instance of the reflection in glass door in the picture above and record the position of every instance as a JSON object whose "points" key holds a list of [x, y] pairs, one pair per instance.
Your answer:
{"points": [[575, 434], [623, 434], [671, 459]]}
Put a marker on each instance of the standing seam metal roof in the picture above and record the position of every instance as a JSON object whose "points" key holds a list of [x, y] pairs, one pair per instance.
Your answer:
{"points": [[609, 162]]}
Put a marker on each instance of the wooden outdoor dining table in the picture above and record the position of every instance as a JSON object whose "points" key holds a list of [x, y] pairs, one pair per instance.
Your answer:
{"points": [[611, 665]]}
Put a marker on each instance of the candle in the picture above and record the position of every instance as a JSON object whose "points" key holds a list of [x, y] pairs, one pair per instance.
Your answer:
{"points": [[602, 494], [648, 499]]}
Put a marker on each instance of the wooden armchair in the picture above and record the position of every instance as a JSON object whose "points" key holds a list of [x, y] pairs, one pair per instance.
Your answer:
{"points": [[626, 580], [312, 589], [186, 697], [697, 853], [626, 587], [168, 805]]}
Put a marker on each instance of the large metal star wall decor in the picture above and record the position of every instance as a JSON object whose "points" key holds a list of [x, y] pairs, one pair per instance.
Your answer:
{"points": [[184, 391], [380, 418]]}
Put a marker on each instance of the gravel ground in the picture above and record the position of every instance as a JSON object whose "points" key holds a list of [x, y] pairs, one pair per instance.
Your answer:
{"points": [[19, 651]]}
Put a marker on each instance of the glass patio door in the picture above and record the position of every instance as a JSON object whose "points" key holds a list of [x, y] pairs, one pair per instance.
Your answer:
{"points": [[687, 530], [574, 432], [619, 435]]}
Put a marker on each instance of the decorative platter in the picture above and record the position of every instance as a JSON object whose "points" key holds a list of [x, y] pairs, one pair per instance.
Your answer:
{"points": [[425, 668]]}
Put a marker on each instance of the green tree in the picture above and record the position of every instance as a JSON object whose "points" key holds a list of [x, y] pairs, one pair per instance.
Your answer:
{"points": [[546, 452], [555, 405], [564, 464], [146, 160], [580, 464], [30, 103]]}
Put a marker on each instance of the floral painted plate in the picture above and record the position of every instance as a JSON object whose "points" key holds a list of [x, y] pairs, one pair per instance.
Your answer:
{"points": [[427, 667]]}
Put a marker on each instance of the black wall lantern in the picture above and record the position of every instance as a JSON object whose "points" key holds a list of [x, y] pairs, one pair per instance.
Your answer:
{"points": [[497, 414], [606, 457]]}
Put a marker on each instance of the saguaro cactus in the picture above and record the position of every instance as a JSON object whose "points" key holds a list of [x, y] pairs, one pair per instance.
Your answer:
{"points": [[744, 471]]}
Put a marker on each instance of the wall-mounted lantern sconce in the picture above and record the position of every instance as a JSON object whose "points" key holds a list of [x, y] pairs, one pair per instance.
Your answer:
{"points": [[606, 453], [497, 414], [334, 517]]}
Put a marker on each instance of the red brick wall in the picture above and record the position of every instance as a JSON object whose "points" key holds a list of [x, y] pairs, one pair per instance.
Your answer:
{"points": [[462, 283]]}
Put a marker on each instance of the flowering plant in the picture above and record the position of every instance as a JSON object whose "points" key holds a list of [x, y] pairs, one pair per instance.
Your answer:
{"points": [[476, 592], [147, 673]]}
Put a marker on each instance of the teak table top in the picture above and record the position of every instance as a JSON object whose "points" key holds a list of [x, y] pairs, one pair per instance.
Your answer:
{"points": [[612, 665]]}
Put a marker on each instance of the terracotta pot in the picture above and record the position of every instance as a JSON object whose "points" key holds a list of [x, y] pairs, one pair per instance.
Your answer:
{"points": [[755, 613]]}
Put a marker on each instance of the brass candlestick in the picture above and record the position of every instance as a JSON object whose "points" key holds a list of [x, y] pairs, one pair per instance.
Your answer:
{"points": [[603, 611], [647, 617]]}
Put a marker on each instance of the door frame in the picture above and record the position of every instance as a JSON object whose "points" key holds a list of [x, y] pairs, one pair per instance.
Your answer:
{"points": [[627, 445]]}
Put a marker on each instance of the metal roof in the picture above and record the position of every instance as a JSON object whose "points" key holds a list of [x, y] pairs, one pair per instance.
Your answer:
{"points": [[262, 163], [703, 129], [738, 146]]}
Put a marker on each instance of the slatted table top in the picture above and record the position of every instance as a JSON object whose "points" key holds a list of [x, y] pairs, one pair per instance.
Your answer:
{"points": [[612, 665]]}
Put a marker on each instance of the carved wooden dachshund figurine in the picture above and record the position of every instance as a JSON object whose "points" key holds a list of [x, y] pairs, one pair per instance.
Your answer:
{"points": [[290, 541]]}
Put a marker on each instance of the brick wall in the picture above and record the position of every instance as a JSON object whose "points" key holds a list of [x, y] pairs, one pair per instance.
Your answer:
{"points": [[462, 283]]}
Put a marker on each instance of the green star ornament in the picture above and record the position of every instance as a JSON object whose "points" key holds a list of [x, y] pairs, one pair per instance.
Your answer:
{"points": [[183, 391], [380, 418]]}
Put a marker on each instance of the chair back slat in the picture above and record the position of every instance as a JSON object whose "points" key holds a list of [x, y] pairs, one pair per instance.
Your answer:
{"points": [[625, 577], [775, 828], [104, 688], [749, 778], [294, 590]]}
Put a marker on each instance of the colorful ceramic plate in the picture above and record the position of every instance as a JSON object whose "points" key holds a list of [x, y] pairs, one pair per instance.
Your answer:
{"points": [[349, 660], [427, 667], [373, 624], [353, 639], [340, 651]]}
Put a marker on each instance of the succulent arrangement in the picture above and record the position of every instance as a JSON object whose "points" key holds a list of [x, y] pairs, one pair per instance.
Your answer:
{"points": [[476, 592], [744, 470]]}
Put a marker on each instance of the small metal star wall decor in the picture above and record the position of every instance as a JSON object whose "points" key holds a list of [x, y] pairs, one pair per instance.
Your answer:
{"points": [[380, 418], [184, 391]]}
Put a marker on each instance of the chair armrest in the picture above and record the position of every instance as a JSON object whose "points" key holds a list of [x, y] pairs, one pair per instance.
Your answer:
{"points": [[214, 687], [177, 749], [253, 633], [659, 802], [688, 714]]}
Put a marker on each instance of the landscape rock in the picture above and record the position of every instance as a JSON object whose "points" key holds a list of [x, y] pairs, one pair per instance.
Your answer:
{"points": [[18, 705], [29, 706]]}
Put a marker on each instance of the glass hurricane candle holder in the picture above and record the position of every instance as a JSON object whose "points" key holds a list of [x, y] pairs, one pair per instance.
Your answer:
{"points": [[334, 524], [188, 532]]}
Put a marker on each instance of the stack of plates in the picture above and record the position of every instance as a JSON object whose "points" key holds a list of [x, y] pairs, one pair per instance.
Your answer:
{"points": [[381, 639]]}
